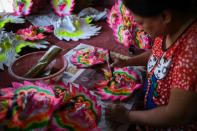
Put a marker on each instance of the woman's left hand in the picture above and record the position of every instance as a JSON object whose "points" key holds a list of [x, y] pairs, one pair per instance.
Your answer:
{"points": [[117, 113]]}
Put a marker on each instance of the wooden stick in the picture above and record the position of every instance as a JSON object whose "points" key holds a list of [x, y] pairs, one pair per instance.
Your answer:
{"points": [[43, 62]]}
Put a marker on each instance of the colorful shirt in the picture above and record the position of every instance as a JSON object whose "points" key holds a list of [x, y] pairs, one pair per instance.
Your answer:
{"points": [[175, 67]]}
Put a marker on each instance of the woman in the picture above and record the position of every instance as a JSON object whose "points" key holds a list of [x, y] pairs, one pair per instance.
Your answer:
{"points": [[171, 87]]}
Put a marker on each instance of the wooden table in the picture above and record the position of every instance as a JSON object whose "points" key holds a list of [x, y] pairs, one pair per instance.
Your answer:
{"points": [[104, 40]]}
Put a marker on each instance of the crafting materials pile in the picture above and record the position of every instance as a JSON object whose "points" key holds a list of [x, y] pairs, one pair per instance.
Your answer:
{"points": [[38, 106]]}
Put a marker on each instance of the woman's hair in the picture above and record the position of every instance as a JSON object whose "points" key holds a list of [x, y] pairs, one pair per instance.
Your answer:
{"points": [[148, 8]]}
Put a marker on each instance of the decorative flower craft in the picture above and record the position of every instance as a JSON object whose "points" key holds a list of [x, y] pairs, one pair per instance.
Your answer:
{"points": [[126, 31], [40, 106], [32, 106], [4, 19], [88, 57], [142, 40], [34, 33], [79, 111], [62, 7], [120, 86], [11, 45], [124, 35], [74, 28], [8, 44], [22, 7], [113, 17], [5, 102], [119, 14]]}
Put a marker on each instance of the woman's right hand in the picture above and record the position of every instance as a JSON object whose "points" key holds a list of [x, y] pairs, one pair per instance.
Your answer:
{"points": [[116, 61], [119, 60]]}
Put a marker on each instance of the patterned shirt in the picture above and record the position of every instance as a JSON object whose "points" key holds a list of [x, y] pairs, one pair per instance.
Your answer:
{"points": [[181, 73]]}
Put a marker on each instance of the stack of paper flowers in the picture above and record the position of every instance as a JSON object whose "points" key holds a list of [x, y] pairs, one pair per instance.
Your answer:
{"points": [[126, 31]]}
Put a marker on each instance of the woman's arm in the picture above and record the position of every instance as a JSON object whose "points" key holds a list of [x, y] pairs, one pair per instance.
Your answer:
{"points": [[138, 60], [182, 109]]}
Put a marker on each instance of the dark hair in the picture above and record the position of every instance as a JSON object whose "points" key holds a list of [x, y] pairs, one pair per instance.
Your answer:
{"points": [[149, 8]]}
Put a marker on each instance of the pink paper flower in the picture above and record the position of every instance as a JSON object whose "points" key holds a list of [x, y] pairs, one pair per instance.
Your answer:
{"points": [[119, 87], [88, 57], [34, 33]]}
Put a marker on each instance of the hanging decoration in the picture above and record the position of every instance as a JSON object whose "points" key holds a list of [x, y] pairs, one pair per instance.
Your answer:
{"points": [[118, 86], [88, 57], [74, 28], [126, 30], [27, 7], [22, 7], [62, 7]]}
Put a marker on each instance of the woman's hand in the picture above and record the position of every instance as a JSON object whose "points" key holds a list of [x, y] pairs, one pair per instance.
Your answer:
{"points": [[117, 113], [118, 60]]}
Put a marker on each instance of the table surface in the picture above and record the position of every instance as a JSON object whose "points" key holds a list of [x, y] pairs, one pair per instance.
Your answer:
{"points": [[104, 40]]}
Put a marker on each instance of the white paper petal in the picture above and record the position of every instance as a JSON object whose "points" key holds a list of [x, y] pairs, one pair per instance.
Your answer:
{"points": [[15, 19], [67, 24], [43, 20]]}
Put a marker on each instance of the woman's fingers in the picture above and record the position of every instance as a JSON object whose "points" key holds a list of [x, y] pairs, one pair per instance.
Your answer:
{"points": [[111, 112], [118, 63], [117, 113], [109, 108], [115, 63]]}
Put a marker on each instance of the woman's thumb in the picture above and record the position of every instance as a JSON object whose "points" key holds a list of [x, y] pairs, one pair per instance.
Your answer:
{"points": [[115, 63]]}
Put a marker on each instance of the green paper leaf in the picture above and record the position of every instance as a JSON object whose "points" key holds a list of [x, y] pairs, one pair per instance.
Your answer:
{"points": [[88, 20], [74, 34], [20, 46], [3, 23], [2, 57]]}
